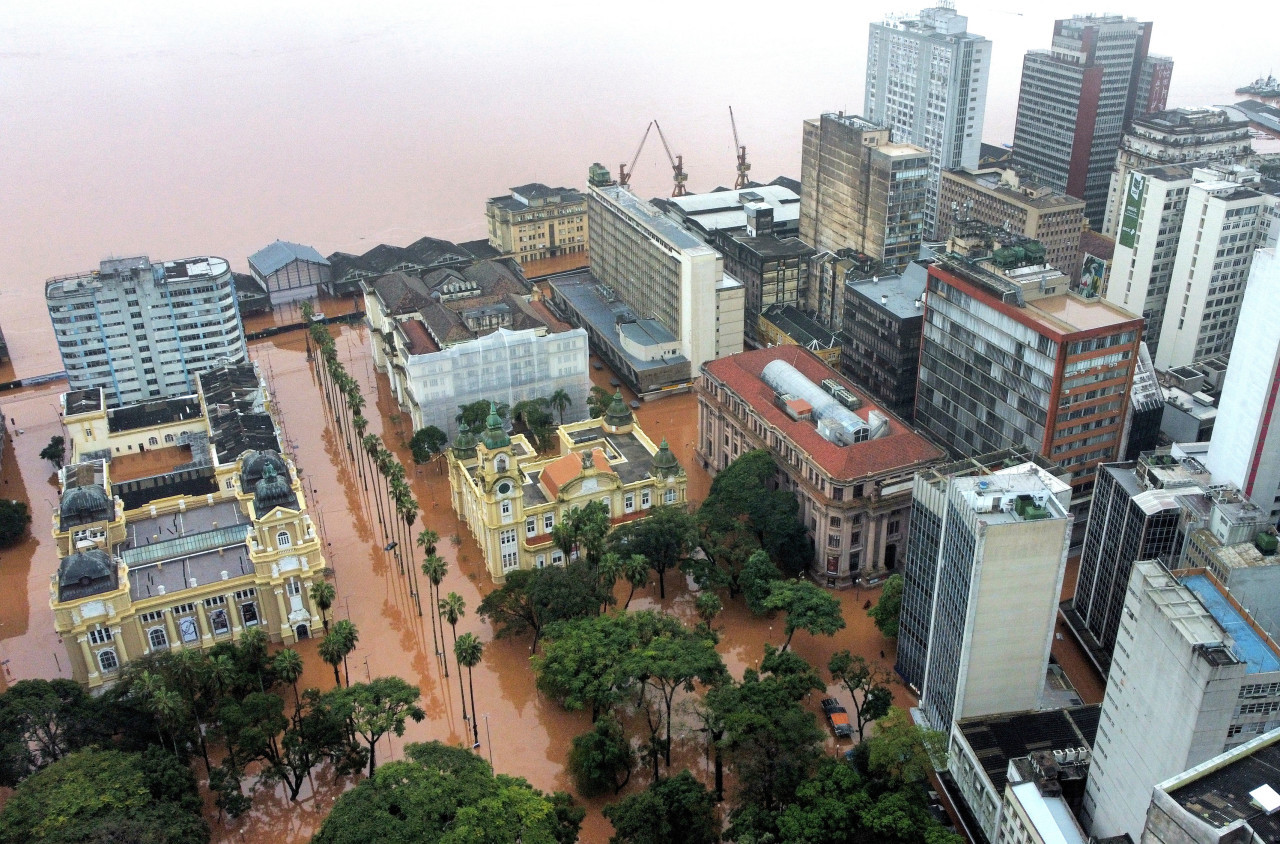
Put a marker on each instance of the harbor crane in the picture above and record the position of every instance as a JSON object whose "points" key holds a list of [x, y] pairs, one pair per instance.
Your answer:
{"points": [[624, 172], [677, 165], [743, 167]]}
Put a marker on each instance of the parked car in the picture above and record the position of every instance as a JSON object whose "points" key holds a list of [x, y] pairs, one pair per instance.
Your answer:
{"points": [[837, 717]]}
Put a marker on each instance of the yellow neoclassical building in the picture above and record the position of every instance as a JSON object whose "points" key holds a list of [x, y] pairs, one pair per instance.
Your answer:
{"points": [[195, 542], [512, 498]]}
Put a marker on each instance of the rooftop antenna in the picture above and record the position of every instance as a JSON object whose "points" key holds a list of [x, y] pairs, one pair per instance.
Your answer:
{"points": [[743, 166], [678, 176]]}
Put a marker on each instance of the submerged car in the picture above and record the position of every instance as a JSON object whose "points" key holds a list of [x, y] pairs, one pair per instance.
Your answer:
{"points": [[837, 717]]}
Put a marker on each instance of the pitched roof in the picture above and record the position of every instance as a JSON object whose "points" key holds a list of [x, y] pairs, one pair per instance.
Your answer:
{"points": [[401, 293], [900, 449], [561, 471], [268, 259]]}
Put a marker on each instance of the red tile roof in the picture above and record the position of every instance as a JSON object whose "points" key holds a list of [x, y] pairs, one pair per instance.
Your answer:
{"points": [[420, 342], [560, 471], [900, 449]]}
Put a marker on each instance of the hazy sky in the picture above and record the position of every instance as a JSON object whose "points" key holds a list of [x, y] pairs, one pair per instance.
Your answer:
{"points": [[175, 129]]}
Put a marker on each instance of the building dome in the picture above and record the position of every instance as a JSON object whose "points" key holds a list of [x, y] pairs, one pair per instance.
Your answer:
{"points": [[495, 436], [84, 504], [464, 445], [84, 567], [272, 491], [253, 466], [618, 415], [665, 464]]}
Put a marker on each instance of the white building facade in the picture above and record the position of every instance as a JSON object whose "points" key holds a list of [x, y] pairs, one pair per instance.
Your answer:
{"points": [[927, 81], [143, 330]]}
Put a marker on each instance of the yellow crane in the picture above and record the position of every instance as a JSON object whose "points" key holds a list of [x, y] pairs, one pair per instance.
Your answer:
{"points": [[677, 165], [743, 167]]}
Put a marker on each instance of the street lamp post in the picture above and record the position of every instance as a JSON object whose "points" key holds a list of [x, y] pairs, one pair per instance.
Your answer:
{"points": [[489, 738]]}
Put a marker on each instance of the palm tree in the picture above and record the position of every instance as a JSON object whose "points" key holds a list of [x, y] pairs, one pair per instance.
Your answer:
{"points": [[468, 650], [372, 445], [288, 667], [452, 608], [636, 570], [331, 652], [323, 595], [561, 401], [410, 515], [435, 568], [347, 637], [361, 423], [253, 646]]}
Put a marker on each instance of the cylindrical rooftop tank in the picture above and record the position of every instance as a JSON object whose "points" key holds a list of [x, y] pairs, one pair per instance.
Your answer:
{"points": [[835, 422]]}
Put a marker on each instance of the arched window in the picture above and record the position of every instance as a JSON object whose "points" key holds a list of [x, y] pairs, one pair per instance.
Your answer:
{"points": [[283, 540], [107, 660], [158, 638], [500, 463], [168, 438], [152, 441]]}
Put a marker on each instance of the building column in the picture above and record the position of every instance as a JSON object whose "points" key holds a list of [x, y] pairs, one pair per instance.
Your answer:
{"points": [[233, 615], [286, 626], [121, 652], [202, 618], [175, 641], [90, 664]]}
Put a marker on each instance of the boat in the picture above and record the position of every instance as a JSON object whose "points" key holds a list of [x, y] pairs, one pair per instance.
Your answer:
{"points": [[1268, 87]]}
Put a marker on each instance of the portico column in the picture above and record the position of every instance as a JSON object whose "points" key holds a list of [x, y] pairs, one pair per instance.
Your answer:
{"points": [[286, 626]]}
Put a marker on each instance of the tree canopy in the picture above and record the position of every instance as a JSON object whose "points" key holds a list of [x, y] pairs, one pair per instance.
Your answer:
{"points": [[530, 599], [55, 452], [675, 810], [426, 443], [665, 538], [887, 610], [15, 516], [808, 607]]}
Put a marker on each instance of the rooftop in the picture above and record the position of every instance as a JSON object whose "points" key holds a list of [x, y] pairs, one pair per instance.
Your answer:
{"points": [[1249, 644], [996, 739], [723, 209], [1219, 791], [1009, 496], [805, 330], [606, 315], [657, 223], [899, 449], [1028, 193], [899, 292], [149, 414], [536, 194], [148, 464], [280, 254]]}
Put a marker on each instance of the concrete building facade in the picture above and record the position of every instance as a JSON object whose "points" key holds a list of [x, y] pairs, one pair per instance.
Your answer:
{"points": [[1076, 99], [535, 222], [849, 462], [774, 270], [861, 191], [927, 81], [142, 330], [883, 317]]}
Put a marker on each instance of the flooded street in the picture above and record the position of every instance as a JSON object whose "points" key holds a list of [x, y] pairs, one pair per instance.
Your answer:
{"points": [[524, 733]]}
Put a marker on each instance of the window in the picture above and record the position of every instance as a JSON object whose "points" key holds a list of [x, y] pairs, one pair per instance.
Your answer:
{"points": [[835, 521], [507, 537], [292, 587], [221, 624], [283, 540], [506, 508], [893, 527], [833, 540], [542, 560], [531, 526], [107, 661], [644, 499], [187, 629], [629, 502], [669, 497], [168, 438], [548, 521], [510, 560], [557, 558], [100, 635], [249, 613], [152, 441], [158, 638], [500, 463]]}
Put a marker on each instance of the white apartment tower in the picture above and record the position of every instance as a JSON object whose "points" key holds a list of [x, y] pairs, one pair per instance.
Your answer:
{"points": [[927, 82], [998, 557], [1186, 239], [143, 331], [1192, 675], [1245, 448]]}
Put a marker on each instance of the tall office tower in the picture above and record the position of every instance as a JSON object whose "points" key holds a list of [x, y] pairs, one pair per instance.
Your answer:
{"points": [[1135, 516], [1076, 99], [927, 81], [1245, 448], [998, 560], [1173, 137], [142, 330], [1010, 357], [1193, 675], [1172, 220], [860, 191]]}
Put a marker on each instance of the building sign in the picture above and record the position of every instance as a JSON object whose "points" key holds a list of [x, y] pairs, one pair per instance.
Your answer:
{"points": [[1132, 204], [1093, 275]]}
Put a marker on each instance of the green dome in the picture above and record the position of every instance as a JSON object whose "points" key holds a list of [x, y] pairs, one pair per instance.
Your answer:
{"points": [[272, 490], [464, 445], [495, 436], [665, 463], [618, 415]]}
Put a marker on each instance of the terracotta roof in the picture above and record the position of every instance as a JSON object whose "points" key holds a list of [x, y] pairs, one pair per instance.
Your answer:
{"points": [[419, 339], [900, 449], [560, 471]]}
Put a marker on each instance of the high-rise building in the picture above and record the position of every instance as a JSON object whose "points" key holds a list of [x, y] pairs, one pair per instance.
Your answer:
{"points": [[1173, 218], [1135, 515], [927, 81], [861, 191], [997, 568], [883, 317], [1077, 98], [1192, 675], [1010, 357], [1175, 136], [1019, 204], [143, 331], [1245, 448]]}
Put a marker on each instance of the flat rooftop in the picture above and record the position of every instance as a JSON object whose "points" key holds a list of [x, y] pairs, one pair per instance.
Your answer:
{"points": [[1010, 496], [723, 209], [991, 180], [1249, 644], [582, 291], [901, 291], [996, 739], [1078, 314], [649, 217], [1218, 791], [148, 464], [804, 330], [131, 417]]}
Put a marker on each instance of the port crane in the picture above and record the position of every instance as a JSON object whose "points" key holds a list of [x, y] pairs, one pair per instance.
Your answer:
{"points": [[624, 172], [743, 167], [677, 165]]}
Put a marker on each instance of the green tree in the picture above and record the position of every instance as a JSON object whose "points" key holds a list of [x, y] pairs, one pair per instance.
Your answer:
{"points": [[468, 650], [434, 568], [476, 414], [677, 810], [708, 606], [106, 795], [346, 637], [452, 609], [601, 759], [323, 595], [41, 721], [376, 708], [332, 651], [288, 667], [426, 443], [808, 607], [867, 683], [15, 516], [673, 660], [561, 401], [757, 578], [635, 568], [530, 599], [886, 611], [451, 796], [665, 538], [598, 401], [902, 753], [55, 452]]}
